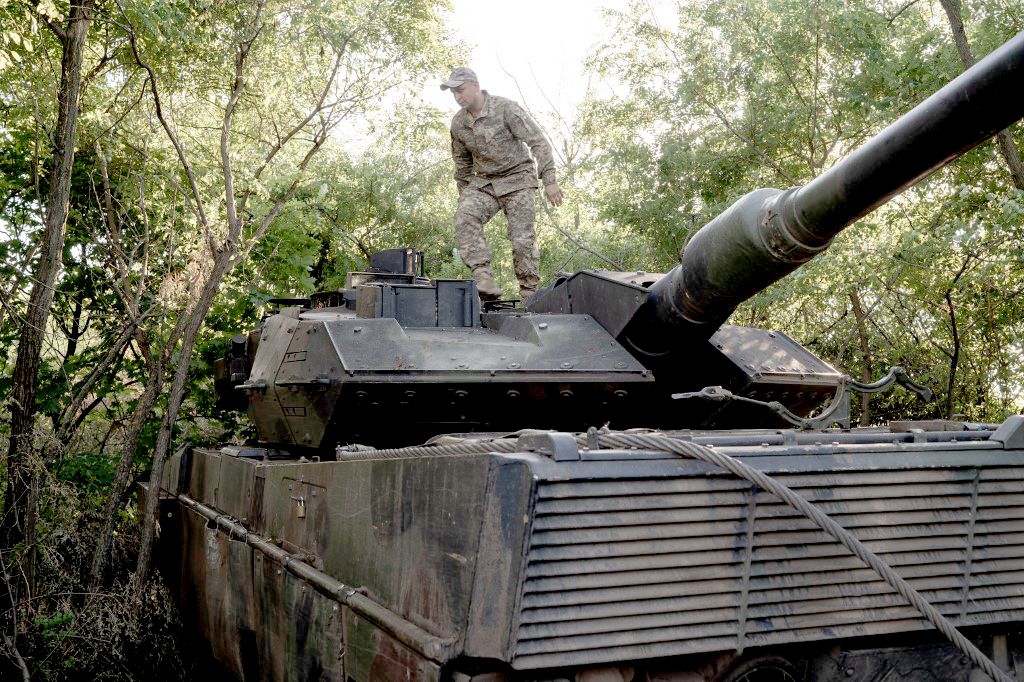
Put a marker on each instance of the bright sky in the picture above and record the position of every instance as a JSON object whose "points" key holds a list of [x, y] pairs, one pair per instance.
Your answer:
{"points": [[531, 51]]}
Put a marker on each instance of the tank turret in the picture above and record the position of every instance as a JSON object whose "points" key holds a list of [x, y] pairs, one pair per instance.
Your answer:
{"points": [[395, 357]]}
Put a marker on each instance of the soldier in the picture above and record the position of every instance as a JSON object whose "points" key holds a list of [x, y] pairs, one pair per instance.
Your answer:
{"points": [[493, 171]]}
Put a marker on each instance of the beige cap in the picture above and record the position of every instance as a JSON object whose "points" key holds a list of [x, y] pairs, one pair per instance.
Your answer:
{"points": [[458, 77]]}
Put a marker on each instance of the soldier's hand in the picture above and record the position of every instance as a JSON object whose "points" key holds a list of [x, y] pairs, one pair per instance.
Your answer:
{"points": [[553, 193]]}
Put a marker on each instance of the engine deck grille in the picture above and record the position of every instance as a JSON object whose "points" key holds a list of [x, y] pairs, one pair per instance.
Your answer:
{"points": [[630, 569]]}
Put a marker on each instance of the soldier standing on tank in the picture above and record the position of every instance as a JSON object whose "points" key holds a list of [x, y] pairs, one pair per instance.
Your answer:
{"points": [[494, 171]]}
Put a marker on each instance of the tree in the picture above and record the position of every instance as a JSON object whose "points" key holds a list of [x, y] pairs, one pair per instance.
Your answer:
{"points": [[350, 54], [718, 98], [18, 522], [1007, 147], [197, 127]]}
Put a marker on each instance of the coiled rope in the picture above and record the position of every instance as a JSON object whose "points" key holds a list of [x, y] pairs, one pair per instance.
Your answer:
{"points": [[451, 446]]}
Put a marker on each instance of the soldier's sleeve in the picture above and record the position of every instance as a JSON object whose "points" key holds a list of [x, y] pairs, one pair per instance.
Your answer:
{"points": [[526, 129], [463, 159]]}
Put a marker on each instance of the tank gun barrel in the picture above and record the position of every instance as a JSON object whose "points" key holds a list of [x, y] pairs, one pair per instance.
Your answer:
{"points": [[768, 233]]}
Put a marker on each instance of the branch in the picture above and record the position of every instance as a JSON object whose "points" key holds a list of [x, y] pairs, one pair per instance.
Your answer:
{"points": [[279, 204], [151, 75], [900, 11], [282, 141], [67, 419], [320, 106], [234, 227], [760, 152], [61, 34], [117, 121], [580, 244]]}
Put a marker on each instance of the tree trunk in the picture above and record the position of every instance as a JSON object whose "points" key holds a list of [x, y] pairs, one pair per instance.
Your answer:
{"points": [[221, 265], [865, 354], [954, 356], [76, 332], [1004, 138], [122, 475], [18, 520]]}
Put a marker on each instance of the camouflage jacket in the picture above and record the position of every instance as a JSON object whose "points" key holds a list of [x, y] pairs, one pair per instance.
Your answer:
{"points": [[491, 148]]}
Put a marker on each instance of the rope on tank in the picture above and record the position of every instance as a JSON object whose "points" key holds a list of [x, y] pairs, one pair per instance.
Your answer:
{"points": [[449, 446]]}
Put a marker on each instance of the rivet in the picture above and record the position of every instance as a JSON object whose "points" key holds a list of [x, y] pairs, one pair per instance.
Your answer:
{"points": [[356, 330], [621, 393], [565, 393], [543, 325], [461, 394], [512, 394], [514, 365], [410, 394]]}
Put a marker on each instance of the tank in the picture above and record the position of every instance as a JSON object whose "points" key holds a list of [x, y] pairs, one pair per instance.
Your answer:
{"points": [[607, 482]]}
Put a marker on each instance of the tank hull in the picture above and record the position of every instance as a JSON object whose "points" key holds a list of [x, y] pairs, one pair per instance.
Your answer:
{"points": [[529, 565]]}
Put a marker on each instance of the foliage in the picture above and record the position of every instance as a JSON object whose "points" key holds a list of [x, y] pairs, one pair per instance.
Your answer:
{"points": [[165, 102], [712, 98], [722, 97]]}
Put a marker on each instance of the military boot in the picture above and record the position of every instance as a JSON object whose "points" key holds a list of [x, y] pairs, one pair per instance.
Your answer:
{"points": [[485, 284]]}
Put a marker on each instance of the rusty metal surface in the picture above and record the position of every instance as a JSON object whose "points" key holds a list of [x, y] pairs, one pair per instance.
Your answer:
{"points": [[298, 631], [372, 654], [269, 614], [545, 562], [501, 559], [217, 591], [407, 535]]}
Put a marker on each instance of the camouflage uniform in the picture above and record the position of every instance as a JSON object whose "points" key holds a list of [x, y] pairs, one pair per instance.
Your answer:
{"points": [[493, 171]]}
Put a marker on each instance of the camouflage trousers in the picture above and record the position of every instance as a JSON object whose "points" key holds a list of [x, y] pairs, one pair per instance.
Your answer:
{"points": [[476, 207]]}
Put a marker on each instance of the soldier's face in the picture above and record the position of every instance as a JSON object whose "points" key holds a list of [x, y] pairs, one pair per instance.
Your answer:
{"points": [[467, 94]]}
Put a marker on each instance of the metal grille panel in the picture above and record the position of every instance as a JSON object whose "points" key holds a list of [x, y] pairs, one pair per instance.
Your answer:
{"points": [[630, 568]]}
